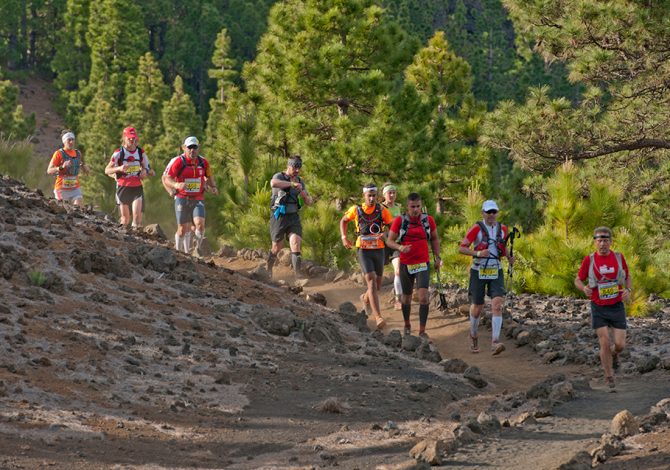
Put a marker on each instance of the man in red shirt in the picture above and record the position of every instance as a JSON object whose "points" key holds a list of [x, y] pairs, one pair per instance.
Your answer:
{"points": [[488, 237], [410, 234], [189, 175], [608, 287]]}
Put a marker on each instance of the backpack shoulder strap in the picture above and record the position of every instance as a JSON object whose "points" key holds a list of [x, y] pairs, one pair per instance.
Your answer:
{"points": [[593, 280], [404, 226], [183, 165], [484, 231], [620, 274], [426, 225]]}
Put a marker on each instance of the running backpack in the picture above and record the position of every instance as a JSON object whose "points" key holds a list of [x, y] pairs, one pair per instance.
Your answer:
{"points": [[200, 164], [499, 240], [122, 157], [404, 226], [282, 197], [620, 274], [76, 161], [366, 221]]}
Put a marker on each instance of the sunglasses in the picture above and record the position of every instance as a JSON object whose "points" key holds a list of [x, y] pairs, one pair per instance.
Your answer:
{"points": [[492, 211], [600, 237], [191, 147]]}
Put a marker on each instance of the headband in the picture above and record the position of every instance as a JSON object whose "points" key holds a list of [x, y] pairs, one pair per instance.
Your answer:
{"points": [[389, 187], [67, 136], [367, 189]]}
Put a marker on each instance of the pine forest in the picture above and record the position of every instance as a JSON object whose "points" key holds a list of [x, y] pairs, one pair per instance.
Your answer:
{"points": [[556, 110]]}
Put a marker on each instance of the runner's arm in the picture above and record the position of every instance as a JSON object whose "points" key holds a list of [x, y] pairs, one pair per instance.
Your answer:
{"points": [[344, 223]]}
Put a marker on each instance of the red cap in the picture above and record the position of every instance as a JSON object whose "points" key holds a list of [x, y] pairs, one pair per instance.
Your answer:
{"points": [[130, 132]]}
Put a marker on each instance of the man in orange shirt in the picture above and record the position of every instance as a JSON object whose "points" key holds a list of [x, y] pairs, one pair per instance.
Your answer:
{"points": [[66, 163], [371, 218]]}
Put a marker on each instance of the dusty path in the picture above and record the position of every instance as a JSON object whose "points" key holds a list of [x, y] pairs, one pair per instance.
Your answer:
{"points": [[573, 426]]}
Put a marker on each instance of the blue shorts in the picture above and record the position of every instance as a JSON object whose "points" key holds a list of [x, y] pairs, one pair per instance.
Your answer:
{"points": [[187, 209]]}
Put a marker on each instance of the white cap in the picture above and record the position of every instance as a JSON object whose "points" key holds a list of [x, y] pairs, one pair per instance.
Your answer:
{"points": [[192, 140], [490, 205]]}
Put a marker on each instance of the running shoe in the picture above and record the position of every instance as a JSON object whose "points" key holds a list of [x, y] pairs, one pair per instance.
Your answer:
{"points": [[366, 305], [610, 382], [474, 348], [424, 335], [397, 305], [408, 331]]}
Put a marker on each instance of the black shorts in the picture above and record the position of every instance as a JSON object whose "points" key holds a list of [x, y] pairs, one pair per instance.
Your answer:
{"points": [[478, 288], [372, 261], [284, 226], [126, 195], [407, 279], [613, 316]]}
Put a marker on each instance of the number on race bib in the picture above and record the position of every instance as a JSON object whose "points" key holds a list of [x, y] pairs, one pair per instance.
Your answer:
{"points": [[69, 181], [608, 290], [417, 268], [486, 272], [192, 185], [368, 242]]}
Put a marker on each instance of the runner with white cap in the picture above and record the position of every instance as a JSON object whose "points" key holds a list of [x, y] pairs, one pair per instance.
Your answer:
{"points": [[486, 274], [190, 175]]}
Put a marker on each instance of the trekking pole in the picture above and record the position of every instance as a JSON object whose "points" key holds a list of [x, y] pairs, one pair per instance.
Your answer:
{"points": [[515, 233], [442, 299]]}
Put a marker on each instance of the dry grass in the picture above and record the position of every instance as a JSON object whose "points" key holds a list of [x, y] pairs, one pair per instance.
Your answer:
{"points": [[333, 405]]}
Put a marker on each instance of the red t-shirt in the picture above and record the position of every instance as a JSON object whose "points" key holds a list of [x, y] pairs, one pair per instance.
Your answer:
{"points": [[135, 165], [606, 269], [416, 238], [193, 174]]}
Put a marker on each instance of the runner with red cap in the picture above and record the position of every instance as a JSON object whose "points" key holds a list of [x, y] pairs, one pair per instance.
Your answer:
{"points": [[129, 165]]}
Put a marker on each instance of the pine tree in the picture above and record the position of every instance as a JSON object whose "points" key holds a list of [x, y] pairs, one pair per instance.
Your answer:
{"points": [[14, 124], [72, 60], [321, 68], [98, 138], [145, 94], [117, 39], [180, 120]]}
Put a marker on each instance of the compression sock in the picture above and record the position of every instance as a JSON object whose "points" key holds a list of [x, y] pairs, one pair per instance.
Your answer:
{"points": [[187, 242], [178, 242], [423, 317], [296, 261], [198, 238], [397, 286], [406, 309], [496, 326], [474, 324]]}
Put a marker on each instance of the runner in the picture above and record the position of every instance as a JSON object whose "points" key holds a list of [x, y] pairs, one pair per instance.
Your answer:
{"points": [[129, 165], [370, 218], [486, 273], [190, 175], [409, 235], [66, 163], [390, 192], [288, 195], [609, 285]]}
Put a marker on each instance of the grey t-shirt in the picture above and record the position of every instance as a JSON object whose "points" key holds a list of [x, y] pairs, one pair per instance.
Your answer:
{"points": [[291, 201]]}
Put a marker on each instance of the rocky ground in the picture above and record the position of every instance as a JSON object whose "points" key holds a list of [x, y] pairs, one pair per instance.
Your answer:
{"points": [[118, 352]]}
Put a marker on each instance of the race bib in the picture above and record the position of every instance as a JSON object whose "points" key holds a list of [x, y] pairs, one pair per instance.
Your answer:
{"points": [[417, 268], [369, 242], [608, 290], [192, 185], [69, 182], [133, 168], [488, 272]]}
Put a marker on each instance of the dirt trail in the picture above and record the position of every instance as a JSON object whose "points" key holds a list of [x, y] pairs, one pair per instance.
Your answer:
{"points": [[573, 426]]}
